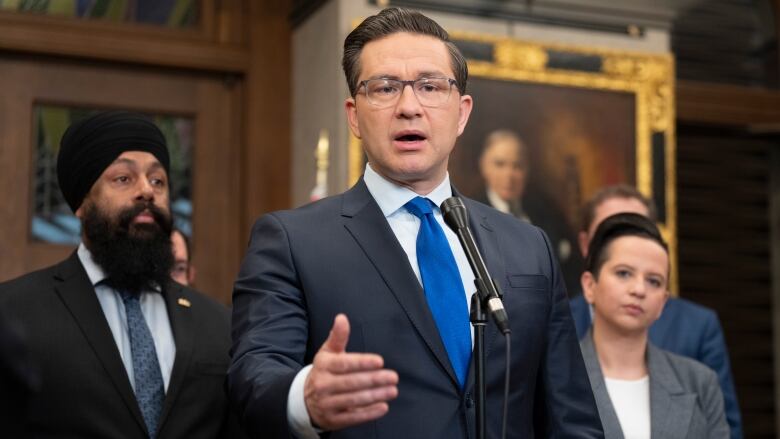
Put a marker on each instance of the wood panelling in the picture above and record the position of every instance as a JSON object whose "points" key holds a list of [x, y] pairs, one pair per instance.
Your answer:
{"points": [[207, 98], [232, 74], [723, 224], [144, 44], [230, 22], [267, 156], [728, 105]]}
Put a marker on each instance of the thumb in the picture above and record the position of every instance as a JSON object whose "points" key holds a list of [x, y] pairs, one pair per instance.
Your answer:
{"points": [[339, 335]]}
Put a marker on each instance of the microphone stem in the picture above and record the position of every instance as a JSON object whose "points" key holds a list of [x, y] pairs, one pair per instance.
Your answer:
{"points": [[487, 289]]}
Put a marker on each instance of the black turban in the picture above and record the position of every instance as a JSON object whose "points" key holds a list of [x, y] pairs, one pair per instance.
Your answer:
{"points": [[90, 145]]}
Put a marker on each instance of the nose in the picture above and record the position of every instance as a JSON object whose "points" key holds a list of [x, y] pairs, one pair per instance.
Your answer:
{"points": [[408, 105], [145, 189], [638, 287]]}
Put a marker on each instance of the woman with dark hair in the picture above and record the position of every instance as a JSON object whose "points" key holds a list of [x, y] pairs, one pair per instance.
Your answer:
{"points": [[641, 391]]}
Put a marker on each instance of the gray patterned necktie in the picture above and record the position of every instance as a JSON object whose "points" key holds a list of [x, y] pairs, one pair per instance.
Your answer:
{"points": [[149, 390]]}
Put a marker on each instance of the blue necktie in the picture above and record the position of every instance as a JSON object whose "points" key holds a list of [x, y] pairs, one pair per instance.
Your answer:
{"points": [[443, 287], [149, 390]]}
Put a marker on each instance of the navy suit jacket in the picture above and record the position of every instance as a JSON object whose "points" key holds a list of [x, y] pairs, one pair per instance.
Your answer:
{"points": [[339, 255], [690, 330]]}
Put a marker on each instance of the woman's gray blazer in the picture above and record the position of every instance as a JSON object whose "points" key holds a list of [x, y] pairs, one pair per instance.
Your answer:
{"points": [[685, 398]]}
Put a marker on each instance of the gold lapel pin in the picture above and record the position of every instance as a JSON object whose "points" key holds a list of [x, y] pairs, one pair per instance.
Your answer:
{"points": [[184, 302]]}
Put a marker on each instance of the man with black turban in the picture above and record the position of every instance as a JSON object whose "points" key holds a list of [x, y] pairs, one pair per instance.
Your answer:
{"points": [[123, 351]]}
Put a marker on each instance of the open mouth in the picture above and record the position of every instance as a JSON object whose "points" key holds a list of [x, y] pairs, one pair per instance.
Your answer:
{"points": [[410, 138]]}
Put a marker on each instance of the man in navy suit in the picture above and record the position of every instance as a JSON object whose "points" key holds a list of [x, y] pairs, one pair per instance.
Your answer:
{"points": [[684, 327], [336, 325]]}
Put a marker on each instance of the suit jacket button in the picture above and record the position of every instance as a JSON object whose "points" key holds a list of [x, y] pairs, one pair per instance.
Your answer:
{"points": [[469, 401]]}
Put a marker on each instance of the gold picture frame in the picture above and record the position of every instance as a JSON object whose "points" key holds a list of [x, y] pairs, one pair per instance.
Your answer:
{"points": [[646, 80]]}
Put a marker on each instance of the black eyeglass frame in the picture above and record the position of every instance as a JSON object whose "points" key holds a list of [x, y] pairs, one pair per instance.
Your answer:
{"points": [[410, 82]]}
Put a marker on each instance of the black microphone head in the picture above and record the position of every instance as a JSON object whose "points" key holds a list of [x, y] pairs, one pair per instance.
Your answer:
{"points": [[454, 212]]}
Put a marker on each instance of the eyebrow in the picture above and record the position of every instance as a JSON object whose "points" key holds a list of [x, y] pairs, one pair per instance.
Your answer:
{"points": [[654, 274], [426, 74], [155, 166]]}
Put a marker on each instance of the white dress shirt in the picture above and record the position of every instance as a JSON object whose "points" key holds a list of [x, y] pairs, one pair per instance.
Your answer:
{"points": [[153, 308], [391, 199]]}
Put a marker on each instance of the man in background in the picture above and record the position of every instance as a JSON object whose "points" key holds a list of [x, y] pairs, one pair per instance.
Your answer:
{"points": [[122, 350], [684, 327], [183, 271]]}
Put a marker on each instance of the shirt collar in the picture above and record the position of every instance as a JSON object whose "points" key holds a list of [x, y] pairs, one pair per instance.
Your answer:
{"points": [[94, 272], [390, 197], [498, 202]]}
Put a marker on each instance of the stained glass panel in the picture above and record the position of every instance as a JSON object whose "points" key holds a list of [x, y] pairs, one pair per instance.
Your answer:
{"points": [[167, 13]]}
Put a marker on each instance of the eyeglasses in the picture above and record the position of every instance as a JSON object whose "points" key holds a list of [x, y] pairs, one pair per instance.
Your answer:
{"points": [[430, 92]]}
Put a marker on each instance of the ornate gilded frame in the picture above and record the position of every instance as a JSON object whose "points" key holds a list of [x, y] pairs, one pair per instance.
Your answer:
{"points": [[648, 77]]}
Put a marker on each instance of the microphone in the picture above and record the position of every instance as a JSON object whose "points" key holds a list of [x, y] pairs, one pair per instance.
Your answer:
{"points": [[456, 217]]}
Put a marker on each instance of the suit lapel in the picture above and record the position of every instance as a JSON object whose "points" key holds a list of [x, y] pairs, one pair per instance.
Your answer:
{"points": [[183, 333], [487, 242], [609, 419], [488, 245], [368, 226], [78, 294], [671, 408]]}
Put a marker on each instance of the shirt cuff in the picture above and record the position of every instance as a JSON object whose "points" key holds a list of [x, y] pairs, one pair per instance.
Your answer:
{"points": [[297, 414]]}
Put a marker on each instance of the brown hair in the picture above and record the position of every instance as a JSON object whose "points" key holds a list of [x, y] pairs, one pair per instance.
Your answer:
{"points": [[503, 135], [390, 21], [618, 226], [608, 193]]}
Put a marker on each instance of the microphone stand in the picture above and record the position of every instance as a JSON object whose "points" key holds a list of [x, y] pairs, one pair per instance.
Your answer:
{"points": [[478, 317], [479, 321], [487, 298]]}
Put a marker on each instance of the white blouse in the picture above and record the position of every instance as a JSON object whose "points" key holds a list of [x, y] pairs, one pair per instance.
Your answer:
{"points": [[631, 400]]}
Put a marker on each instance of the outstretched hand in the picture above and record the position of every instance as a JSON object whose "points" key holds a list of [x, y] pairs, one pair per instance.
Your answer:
{"points": [[345, 389]]}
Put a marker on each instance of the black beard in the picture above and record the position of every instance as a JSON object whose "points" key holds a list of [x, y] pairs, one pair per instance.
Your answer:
{"points": [[134, 257]]}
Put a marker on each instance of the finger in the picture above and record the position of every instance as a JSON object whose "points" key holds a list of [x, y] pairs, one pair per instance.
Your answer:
{"points": [[339, 335], [355, 400], [362, 381], [359, 415], [335, 384], [347, 363]]}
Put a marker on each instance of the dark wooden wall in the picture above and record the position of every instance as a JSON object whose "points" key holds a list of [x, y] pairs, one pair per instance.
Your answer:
{"points": [[723, 229], [728, 111]]}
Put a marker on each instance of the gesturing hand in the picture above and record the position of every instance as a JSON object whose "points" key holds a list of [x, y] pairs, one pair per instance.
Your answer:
{"points": [[345, 389]]}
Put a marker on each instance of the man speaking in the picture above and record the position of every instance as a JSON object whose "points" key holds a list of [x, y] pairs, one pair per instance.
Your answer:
{"points": [[351, 314]]}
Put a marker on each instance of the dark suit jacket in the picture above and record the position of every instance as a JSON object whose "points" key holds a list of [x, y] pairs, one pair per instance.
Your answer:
{"points": [[18, 378], [685, 398], [340, 255], [690, 330], [85, 391], [543, 214]]}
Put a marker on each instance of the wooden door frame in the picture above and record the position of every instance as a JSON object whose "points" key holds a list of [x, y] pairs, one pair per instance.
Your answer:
{"points": [[248, 42], [212, 102]]}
